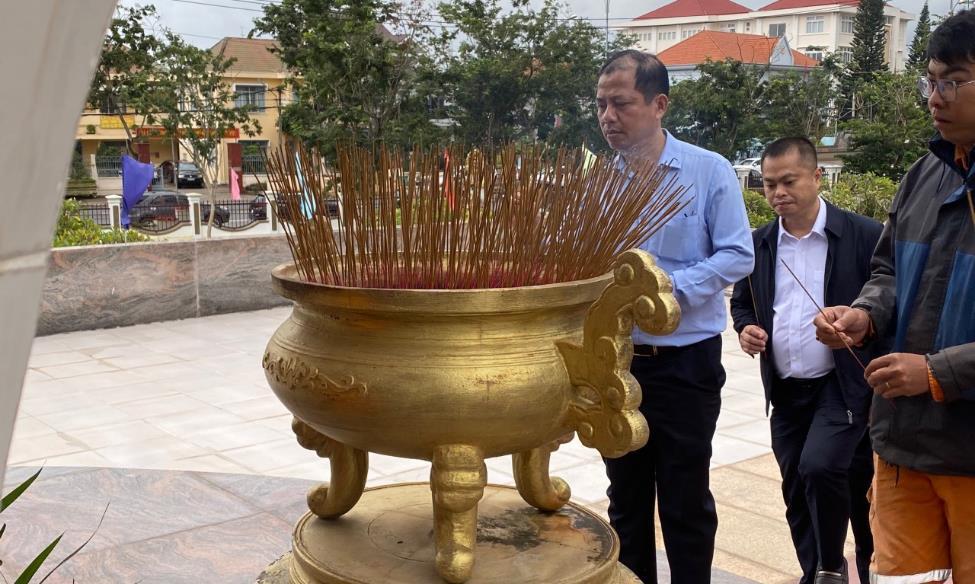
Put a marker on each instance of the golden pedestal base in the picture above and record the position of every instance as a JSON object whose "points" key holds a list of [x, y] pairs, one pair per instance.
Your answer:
{"points": [[389, 539]]}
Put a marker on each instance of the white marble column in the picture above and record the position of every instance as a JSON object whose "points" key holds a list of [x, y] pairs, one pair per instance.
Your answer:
{"points": [[48, 52]]}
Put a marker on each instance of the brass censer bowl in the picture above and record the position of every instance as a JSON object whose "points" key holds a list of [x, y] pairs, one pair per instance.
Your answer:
{"points": [[457, 376]]}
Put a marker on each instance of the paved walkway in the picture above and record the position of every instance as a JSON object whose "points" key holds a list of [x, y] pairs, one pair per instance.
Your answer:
{"points": [[191, 396]]}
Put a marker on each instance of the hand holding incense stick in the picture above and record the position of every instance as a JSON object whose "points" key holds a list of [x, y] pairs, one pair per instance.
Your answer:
{"points": [[754, 306], [816, 304]]}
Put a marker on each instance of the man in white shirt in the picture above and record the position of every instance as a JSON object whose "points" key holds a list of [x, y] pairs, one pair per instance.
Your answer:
{"points": [[819, 397]]}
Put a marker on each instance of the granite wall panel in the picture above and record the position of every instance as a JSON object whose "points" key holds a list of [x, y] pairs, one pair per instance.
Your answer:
{"points": [[234, 274], [95, 287]]}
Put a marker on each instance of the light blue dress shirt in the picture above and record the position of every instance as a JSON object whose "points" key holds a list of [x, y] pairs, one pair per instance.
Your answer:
{"points": [[706, 247]]}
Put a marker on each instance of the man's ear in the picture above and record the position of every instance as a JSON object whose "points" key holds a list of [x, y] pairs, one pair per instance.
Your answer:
{"points": [[663, 102]]}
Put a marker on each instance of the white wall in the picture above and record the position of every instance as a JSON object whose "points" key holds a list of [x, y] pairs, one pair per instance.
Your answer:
{"points": [[51, 48], [832, 37]]}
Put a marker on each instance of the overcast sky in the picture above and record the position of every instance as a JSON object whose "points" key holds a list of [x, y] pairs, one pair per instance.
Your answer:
{"points": [[203, 24]]}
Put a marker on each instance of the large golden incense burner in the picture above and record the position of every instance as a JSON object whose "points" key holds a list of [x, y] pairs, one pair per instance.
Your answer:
{"points": [[456, 315], [457, 376]]}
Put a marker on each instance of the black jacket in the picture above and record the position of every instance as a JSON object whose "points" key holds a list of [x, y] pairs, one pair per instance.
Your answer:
{"points": [[922, 295], [851, 240]]}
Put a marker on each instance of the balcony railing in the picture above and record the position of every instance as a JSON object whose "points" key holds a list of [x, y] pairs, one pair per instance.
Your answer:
{"points": [[252, 164], [108, 166]]}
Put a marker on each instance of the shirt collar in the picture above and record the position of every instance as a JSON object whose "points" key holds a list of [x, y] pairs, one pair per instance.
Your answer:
{"points": [[819, 225], [669, 156], [948, 152]]}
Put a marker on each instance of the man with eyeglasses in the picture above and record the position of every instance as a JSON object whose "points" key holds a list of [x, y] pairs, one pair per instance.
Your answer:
{"points": [[921, 294]]}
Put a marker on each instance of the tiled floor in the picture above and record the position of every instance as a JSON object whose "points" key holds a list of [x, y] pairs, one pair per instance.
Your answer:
{"points": [[190, 395]]}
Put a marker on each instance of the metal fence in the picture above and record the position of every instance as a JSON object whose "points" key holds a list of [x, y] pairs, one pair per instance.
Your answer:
{"points": [[100, 213], [236, 215], [252, 164], [108, 166], [159, 218]]}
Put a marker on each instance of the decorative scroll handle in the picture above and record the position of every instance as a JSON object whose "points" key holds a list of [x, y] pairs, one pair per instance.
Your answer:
{"points": [[604, 408]]}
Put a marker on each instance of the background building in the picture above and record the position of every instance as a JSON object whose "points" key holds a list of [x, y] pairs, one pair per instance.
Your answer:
{"points": [[813, 27], [257, 77], [772, 53]]}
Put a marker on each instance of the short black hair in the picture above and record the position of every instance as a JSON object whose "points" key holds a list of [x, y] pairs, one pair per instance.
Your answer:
{"points": [[651, 74], [782, 146], [953, 42]]}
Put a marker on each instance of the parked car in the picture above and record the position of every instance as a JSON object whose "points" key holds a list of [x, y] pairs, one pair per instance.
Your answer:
{"points": [[751, 168], [749, 164], [168, 207], [189, 175], [258, 208]]}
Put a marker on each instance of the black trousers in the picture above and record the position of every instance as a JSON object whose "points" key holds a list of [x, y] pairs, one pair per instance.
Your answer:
{"points": [[681, 401], [823, 452]]}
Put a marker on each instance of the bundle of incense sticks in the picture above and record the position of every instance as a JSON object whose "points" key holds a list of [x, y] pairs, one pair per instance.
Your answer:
{"points": [[516, 216]]}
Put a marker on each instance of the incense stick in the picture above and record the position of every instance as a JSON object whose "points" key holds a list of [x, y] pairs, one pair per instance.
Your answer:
{"points": [[813, 300], [521, 215], [754, 304]]}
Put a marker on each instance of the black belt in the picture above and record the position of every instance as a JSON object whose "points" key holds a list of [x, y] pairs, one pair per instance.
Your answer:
{"points": [[654, 350], [803, 384]]}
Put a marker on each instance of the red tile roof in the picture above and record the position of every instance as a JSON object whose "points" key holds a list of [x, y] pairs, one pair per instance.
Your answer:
{"points": [[791, 4], [717, 46], [679, 8], [252, 55]]}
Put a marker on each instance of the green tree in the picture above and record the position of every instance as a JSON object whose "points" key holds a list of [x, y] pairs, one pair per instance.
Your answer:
{"points": [[123, 81], [917, 58], [353, 79], [799, 104], [892, 130], [195, 104], [720, 110], [866, 194], [869, 37], [521, 73], [869, 53]]}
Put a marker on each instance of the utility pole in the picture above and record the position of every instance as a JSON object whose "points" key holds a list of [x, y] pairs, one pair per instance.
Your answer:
{"points": [[607, 28]]}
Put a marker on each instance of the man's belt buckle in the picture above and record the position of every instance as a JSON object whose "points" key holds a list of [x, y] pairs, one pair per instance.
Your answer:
{"points": [[645, 350]]}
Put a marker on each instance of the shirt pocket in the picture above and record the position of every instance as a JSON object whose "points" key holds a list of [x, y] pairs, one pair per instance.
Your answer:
{"points": [[683, 237]]}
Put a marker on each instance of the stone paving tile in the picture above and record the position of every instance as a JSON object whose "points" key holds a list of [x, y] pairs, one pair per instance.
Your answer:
{"points": [[28, 426], [121, 433], [258, 408], [87, 367], [43, 447], [728, 450], [60, 358], [742, 402], [728, 418], [188, 422], [756, 431], [162, 452], [237, 425], [265, 456], [149, 407], [241, 435]]}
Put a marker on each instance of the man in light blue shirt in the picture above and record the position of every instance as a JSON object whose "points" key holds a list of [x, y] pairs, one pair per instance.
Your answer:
{"points": [[705, 248]]}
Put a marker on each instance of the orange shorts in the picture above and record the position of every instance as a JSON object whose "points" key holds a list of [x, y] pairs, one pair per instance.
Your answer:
{"points": [[923, 526]]}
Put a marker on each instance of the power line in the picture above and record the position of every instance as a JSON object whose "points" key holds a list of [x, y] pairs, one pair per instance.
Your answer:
{"points": [[441, 22], [218, 5]]}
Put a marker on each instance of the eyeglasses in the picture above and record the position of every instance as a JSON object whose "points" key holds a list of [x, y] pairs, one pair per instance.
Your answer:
{"points": [[946, 87]]}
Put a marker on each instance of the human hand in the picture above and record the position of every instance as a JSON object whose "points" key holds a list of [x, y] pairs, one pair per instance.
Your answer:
{"points": [[837, 324], [898, 374], [752, 339]]}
